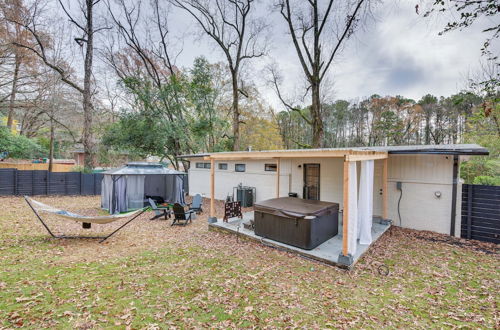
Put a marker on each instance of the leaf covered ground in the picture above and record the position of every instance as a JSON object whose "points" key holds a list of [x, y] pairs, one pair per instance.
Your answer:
{"points": [[152, 275]]}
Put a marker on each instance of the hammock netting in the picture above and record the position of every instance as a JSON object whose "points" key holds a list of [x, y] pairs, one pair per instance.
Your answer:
{"points": [[98, 219]]}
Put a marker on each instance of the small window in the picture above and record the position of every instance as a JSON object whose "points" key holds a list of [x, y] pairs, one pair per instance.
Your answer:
{"points": [[270, 167], [203, 165], [239, 167], [222, 166]]}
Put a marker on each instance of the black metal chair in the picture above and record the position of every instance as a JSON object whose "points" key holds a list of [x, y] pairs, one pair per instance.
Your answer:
{"points": [[196, 204], [159, 212], [180, 214]]}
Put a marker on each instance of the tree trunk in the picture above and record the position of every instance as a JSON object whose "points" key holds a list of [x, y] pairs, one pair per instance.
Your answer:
{"points": [[318, 133], [428, 129], [12, 100], [51, 147], [236, 112], [87, 102]]}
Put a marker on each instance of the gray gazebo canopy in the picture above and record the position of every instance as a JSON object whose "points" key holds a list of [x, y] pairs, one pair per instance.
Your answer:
{"points": [[125, 188]]}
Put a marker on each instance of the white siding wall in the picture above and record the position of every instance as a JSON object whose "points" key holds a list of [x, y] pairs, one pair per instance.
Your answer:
{"points": [[254, 176], [331, 176], [422, 176]]}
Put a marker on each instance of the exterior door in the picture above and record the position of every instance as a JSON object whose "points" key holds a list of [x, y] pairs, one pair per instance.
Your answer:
{"points": [[311, 181]]}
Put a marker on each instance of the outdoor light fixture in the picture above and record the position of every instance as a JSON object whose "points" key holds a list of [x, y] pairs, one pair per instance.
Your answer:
{"points": [[437, 194]]}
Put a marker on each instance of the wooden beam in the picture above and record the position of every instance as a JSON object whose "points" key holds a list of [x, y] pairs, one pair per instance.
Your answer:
{"points": [[384, 190], [356, 158], [237, 158], [345, 216], [325, 153], [212, 188], [278, 162]]}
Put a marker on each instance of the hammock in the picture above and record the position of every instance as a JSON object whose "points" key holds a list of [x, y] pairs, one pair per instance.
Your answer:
{"points": [[86, 220], [99, 219]]}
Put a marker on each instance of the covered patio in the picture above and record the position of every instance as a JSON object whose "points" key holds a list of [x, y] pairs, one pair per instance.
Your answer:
{"points": [[329, 252], [358, 228]]}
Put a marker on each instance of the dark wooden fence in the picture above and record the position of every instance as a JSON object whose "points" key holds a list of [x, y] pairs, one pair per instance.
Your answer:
{"points": [[481, 213], [18, 182]]}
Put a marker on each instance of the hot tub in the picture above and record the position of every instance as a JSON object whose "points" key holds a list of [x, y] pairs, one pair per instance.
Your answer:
{"points": [[298, 222]]}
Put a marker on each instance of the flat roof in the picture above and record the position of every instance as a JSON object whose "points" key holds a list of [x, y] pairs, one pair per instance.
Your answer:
{"points": [[441, 149], [142, 168]]}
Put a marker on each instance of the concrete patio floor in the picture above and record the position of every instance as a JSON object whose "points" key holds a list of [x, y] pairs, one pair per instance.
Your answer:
{"points": [[327, 252]]}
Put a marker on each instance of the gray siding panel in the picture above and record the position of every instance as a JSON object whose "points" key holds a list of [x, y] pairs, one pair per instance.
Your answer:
{"points": [[24, 182], [72, 183], [7, 181], [40, 182]]}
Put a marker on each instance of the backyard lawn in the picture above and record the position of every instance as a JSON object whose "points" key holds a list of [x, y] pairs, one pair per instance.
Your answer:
{"points": [[151, 275]]}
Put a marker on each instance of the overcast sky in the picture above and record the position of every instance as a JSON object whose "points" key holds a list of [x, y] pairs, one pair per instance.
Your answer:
{"points": [[400, 53]]}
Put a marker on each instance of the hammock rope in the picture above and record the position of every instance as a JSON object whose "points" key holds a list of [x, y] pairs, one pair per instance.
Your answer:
{"points": [[102, 219], [98, 219]]}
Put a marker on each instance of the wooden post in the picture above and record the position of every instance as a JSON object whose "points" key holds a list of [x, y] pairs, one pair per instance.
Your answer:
{"points": [[385, 191], [212, 188], [278, 161], [345, 217]]}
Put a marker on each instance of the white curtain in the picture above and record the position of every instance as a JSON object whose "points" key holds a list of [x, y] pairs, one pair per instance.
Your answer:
{"points": [[365, 202], [135, 191], [106, 191], [352, 226]]}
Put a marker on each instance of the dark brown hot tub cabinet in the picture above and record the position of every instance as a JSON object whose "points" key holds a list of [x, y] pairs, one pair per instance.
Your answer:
{"points": [[298, 222]]}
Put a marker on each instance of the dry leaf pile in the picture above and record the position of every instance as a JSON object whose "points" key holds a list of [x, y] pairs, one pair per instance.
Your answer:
{"points": [[151, 275]]}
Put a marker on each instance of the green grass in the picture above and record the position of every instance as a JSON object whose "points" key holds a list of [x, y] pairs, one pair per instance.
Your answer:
{"points": [[195, 278]]}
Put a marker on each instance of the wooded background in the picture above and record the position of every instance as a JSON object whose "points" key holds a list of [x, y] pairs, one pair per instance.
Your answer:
{"points": [[116, 92]]}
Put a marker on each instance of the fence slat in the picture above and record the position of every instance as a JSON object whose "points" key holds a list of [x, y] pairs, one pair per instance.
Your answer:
{"points": [[469, 212], [481, 213], [7, 182], [41, 182]]}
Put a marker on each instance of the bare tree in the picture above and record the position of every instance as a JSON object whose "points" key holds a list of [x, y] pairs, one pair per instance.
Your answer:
{"points": [[85, 26], [237, 33], [319, 30], [21, 60], [143, 51]]}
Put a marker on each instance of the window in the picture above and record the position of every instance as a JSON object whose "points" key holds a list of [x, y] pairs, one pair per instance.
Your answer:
{"points": [[222, 166], [203, 165], [270, 167], [239, 167]]}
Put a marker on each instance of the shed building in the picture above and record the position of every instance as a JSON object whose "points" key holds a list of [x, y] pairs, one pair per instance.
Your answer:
{"points": [[417, 186]]}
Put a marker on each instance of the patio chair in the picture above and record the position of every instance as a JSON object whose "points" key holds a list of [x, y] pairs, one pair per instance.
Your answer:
{"points": [[159, 212], [196, 204], [180, 214]]}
